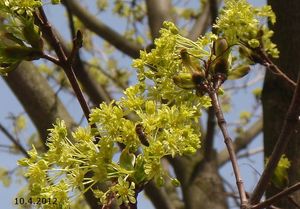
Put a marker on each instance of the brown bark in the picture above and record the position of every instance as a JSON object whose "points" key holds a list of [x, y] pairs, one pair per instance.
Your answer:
{"points": [[158, 11], [277, 94], [206, 190]]}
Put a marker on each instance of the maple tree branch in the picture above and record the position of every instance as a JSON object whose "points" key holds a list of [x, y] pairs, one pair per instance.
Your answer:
{"points": [[241, 141], [251, 152], [274, 68], [229, 144], [13, 140], [46, 28], [289, 126], [158, 196], [201, 24], [158, 11], [51, 59], [277, 197], [103, 30], [97, 93]]}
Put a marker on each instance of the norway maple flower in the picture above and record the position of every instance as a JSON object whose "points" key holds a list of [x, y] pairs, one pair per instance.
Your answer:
{"points": [[239, 22], [124, 191]]}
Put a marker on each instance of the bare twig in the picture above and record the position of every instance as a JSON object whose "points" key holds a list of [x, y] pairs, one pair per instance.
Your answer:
{"points": [[14, 141], [242, 141], [274, 68], [96, 92], [77, 44], [46, 28], [230, 147], [290, 124], [251, 152], [277, 197], [51, 59], [104, 31], [293, 201], [233, 194]]}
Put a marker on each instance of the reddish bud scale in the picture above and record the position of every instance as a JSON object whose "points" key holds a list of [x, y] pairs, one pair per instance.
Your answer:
{"points": [[197, 78]]}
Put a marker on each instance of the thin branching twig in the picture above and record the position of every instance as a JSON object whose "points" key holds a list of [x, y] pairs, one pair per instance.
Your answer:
{"points": [[64, 61], [289, 126], [229, 144], [277, 197], [13, 140]]}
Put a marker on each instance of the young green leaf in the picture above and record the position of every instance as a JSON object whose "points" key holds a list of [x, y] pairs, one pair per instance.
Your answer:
{"points": [[239, 72]]}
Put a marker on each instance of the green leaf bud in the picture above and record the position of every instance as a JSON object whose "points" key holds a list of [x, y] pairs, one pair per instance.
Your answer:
{"points": [[10, 39], [257, 93], [251, 55], [239, 72], [220, 66], [187, 62], [32, 35], [55, 1], [175, 182], [184, 80], [150, 107], [280, 176], [170, 26], [184, 55], [220, 47], [20, 53]]}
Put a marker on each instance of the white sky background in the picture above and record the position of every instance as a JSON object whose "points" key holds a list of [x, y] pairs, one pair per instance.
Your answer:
{"points": [[9, 103]]}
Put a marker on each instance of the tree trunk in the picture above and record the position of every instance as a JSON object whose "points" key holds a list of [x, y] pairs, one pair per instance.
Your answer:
{"points": [[37, 97], [206, 190], [277, 94]]}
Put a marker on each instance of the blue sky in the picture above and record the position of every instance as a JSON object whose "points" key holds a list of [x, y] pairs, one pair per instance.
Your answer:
{"points": [[9, 104]]}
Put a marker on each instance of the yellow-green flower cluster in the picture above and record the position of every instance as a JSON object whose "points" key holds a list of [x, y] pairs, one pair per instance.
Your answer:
{"points": [[20, 7], [241, 22], [163, 62], [125, 191], [41, 181], [82, 162], [154, 119], [67, 160]]}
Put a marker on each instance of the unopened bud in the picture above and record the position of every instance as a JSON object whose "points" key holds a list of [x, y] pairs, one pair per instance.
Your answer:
{"points": [[239, 72], [198, 77], [251, 55], [175, 182], [220, 46], [55, 1], [184, 80], [20, 53], [221, 66], [33, 36]]}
